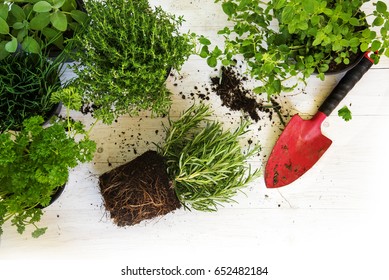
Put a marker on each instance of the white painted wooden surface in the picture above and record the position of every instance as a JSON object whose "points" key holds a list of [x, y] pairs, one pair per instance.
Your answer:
{"points": [[332, 222]]}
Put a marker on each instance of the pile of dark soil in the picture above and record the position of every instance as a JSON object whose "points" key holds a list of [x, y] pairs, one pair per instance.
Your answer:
{"points": [[138, 190], [229, 87]]}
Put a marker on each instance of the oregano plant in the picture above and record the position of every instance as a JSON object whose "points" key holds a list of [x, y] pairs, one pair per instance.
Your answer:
{"points": [[282, 39]]}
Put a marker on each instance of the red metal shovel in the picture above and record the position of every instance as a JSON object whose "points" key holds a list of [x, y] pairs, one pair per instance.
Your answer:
{"points": [[302, 144]]}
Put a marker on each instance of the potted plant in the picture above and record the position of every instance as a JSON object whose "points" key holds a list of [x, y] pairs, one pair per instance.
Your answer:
{"points": [[35, 163], [282, 39], [125, 54], [38, 25], [27, 82], [199, 166]]}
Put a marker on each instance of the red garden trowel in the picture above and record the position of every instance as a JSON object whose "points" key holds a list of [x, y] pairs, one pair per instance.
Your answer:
{"points": [[301, 144]]}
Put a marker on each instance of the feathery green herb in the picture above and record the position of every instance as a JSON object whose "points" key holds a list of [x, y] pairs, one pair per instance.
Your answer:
{"points": [[35, 162]]}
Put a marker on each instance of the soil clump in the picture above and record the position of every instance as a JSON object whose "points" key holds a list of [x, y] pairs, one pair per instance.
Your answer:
{"points": [[138, 190]]}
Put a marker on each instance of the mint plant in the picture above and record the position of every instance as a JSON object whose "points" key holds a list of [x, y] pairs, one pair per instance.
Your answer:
{"points": [[125, 54], [37, 25], [282, 39]]}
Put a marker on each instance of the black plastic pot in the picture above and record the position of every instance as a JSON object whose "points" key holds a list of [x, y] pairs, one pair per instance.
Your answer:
{"points": [[54, 196]]}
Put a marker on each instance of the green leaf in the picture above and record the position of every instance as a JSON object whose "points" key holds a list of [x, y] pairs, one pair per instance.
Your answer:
{"points": [[204, 41], [308, 6], [287, 14], [354, 22], [364, 47], [29, 44], [212, 61], [375, 46], [18, 13], [40, 21], [42, 7], [354, 42], [324, 68], [38, 232], [277, 85], [4, 28], [4, 11], [59, 21], [321, 76], [18, 25], [345, 113], [204, 52], [381, 7], [69, 5], [12, 45], [58, 3], [229, 8], [366, 33], [378, 21], [79, 16], [315, 20]]}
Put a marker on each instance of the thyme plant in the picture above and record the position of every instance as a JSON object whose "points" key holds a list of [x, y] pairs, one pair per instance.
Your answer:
{"points": [[125, 54]]}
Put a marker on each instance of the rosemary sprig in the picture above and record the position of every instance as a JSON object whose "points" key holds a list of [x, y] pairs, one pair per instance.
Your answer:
{"points": [[207, 164]]}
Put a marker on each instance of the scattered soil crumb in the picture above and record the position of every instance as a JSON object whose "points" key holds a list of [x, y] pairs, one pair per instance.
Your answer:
{"points": [[229, 87]]}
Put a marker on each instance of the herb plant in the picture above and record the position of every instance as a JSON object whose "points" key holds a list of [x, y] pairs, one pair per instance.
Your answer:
{"points": [[281, 39], [125, 55], [27, 82], [35, 162], [205, 163], [38, 25]]}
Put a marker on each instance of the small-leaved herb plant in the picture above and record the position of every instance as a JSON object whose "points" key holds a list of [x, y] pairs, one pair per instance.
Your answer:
{"points": [[27, 82], [38, 25], [35, 162], [281, 39], [125, 55]]}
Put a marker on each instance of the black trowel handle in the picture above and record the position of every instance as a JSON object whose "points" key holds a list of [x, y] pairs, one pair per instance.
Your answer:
{"points": [[346, 84]]}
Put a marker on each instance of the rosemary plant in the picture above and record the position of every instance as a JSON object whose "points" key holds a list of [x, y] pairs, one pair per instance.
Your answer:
{"points": [[206, 164], [125, 54]]}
